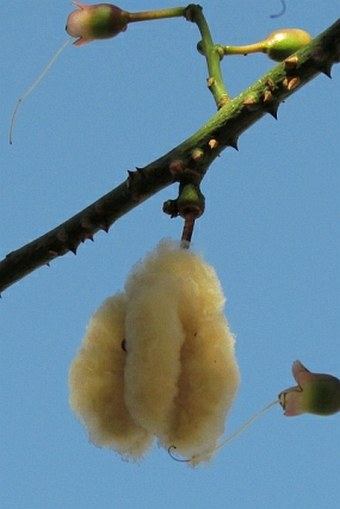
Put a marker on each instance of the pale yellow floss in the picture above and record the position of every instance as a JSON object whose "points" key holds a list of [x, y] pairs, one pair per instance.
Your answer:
{"points": [[97, 384], [182, 398], [178, 377]]}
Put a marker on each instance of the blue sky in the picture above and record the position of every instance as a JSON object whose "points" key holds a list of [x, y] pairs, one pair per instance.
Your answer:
{"points": [[271, 230]]}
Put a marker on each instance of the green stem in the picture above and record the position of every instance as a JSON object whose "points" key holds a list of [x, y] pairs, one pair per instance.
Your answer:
{"points": [[195, 14], [211, 52], [257, 47], [174, 12]]}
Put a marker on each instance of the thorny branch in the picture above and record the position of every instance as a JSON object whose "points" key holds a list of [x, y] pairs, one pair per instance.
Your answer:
{"points": [[196, 153]]}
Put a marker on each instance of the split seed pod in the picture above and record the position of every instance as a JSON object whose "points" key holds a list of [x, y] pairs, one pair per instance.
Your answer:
{"points": [[177, 375]]}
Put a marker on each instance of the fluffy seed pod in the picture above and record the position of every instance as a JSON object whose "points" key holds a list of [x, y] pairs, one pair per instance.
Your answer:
{"points": [[180, 374], [97, 383], [100, 21], [175, 377]]}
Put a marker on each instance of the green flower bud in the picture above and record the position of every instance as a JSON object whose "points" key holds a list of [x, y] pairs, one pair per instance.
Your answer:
{"points": [[316, 393], [282, 43], [100, 21]]}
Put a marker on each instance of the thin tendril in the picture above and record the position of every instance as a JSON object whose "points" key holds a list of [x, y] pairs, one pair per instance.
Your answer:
{"points": [[282, 11], [32, 87], [227, 440], [246, 424], [172, 448]]}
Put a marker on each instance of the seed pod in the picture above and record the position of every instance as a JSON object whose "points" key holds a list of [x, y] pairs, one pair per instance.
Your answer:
{"points": [[158, 361]]}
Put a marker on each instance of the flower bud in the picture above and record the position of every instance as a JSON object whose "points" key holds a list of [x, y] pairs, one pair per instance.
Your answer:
{"points": [[100, 21], [282, 43], [315, 394]]}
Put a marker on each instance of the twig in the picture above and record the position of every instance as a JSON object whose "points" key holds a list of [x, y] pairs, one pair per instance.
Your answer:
{"points": [[215, 82]]}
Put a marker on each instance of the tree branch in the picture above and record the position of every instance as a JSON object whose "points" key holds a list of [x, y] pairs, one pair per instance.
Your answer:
{"points": [[196, 153]]}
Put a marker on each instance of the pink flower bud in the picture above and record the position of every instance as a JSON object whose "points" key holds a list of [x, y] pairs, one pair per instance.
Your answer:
{"points": [[100, 21], [315, 394]]}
